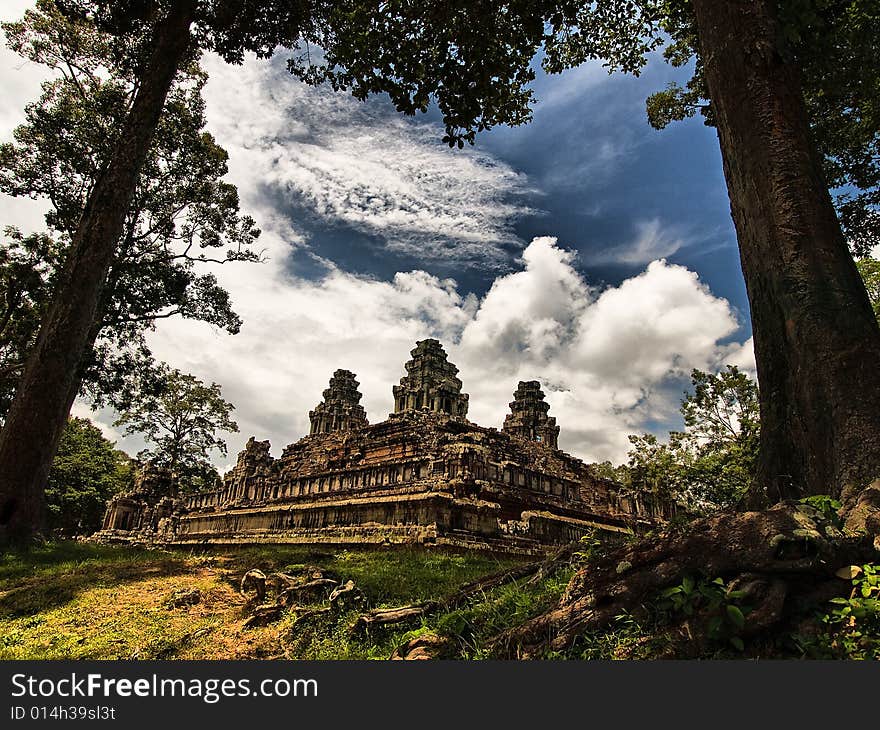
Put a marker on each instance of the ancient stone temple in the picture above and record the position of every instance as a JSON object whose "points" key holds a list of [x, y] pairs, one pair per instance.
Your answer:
{"points": [[146, 508], [430, 383], [425, 475], [528, 417], [341, 409]]}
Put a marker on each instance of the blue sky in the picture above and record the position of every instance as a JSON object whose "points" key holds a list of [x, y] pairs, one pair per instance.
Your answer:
{"points": [[599, 177], [585, 250]]}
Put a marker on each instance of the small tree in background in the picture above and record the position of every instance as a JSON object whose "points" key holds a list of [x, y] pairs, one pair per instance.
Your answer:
{"points": [[711, 464], [181, 422], [87, 471]]}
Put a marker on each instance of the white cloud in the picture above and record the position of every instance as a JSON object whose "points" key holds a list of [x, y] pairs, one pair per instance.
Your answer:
{"points": [[103, 421], [363, 165], [19, 78], [612, 361], [743, 356]]}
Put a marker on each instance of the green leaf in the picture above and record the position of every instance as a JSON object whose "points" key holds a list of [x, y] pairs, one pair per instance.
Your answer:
{"points": [[736, 616], [737, 643]]}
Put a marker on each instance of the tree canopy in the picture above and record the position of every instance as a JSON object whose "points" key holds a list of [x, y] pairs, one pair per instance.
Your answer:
{"points": [[183, 216], [26, 263], [711, 463]]}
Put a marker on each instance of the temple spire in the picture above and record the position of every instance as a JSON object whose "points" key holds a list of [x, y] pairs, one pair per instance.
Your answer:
{"points": [[430, 383], [528, 417], [341, 409]]}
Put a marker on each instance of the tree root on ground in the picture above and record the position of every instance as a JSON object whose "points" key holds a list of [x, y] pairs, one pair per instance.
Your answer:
{"points": [[774, 556], [254, 579], [310, 582], [314, 589], [427, 646]]}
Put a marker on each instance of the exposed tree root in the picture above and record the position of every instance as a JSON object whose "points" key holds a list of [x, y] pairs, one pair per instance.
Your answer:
{"points": [[345, 595], [264, 615], [772, 555], [306, 614], [428, 646], [183, 597], [314, 589], [254, 580], [310, 583], [861, 509]]}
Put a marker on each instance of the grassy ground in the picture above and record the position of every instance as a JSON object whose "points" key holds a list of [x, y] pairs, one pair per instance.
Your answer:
{"points": [[84, 601]]}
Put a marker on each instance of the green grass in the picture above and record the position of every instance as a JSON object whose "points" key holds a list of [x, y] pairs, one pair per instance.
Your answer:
{"points": [[85, 601], [468, 628], [71, 600]]}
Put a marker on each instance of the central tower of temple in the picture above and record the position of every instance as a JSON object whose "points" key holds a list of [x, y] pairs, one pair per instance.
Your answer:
{"points": [[528, 417], [341, 409], [430, 383]]}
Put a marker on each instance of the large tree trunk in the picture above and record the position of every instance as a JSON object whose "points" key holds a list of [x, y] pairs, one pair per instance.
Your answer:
{"points": [[50, 380], [817, 343]]}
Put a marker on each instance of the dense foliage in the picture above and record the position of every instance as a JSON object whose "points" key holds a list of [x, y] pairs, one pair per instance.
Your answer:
{"points": [[86, 472], [711, 463], [26, 262], [182, 217]]}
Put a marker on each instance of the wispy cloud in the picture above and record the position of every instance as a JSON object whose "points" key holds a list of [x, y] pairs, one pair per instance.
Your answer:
{"points": [[653, 240], [364, 166]]}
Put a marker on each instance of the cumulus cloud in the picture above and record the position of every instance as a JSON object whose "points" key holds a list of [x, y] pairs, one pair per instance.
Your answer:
{"points": [[611, 361], [743, 356]]}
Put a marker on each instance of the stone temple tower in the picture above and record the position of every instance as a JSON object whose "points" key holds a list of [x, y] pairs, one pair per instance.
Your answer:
{"points": [[430, 383], [341, 409], [528, 417]]}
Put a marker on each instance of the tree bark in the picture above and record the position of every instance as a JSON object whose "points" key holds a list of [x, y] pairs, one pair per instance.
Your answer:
{"points": [[817, 343], [50, 380]]}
